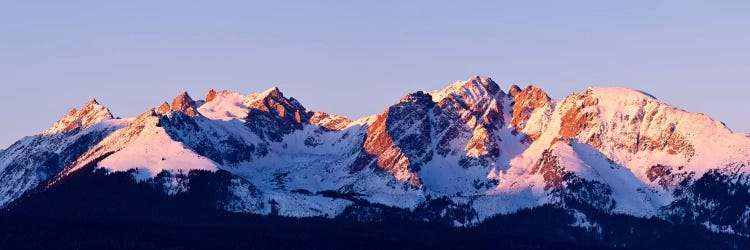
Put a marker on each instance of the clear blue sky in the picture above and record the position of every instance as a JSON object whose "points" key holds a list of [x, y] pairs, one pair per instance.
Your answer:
{"points": [[356, 58]]}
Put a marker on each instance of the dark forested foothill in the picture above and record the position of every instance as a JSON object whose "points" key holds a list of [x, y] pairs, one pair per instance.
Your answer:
{"points": [[96, 210]]}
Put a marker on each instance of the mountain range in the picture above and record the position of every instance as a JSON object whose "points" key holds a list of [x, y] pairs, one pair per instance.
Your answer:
{"points": [[463, 155]]}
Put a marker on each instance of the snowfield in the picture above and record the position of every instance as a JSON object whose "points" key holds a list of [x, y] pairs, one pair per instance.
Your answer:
{"points": [[471, 142]]}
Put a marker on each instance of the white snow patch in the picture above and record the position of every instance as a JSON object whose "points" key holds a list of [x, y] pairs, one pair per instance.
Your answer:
{"points": [[154, 151]]}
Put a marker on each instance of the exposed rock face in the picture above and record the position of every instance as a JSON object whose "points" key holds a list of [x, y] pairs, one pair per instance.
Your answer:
{"points": [[185, 104], [665, 177], [642, 123], [164, 109], [414, 139], [411, 133], [211, 95], [272, 115], [570, 190], [384, 154], [531, 101], [582, 117], [477, 104], [514, 90], [182, 103], [400, 137], [610, 150], [91, 113]]}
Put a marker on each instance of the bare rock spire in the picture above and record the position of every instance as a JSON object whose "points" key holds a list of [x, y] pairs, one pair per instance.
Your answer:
{"points": [[185, 104], [211, 95]]}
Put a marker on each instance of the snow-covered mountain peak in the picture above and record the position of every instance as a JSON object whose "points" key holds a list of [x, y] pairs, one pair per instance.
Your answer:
{"points": [[416, 97], [272, 100], [91, 102], [621, 150], [620, 93], [615, 104], [330, 121], [226, 105], [91, 113], [471, 90], [255, 100], [147, 146], [273, 91], [645, 135]]}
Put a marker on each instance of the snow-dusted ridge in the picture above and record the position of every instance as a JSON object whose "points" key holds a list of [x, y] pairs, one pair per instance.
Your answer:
{"points": [[614, 149], [34, 159]]}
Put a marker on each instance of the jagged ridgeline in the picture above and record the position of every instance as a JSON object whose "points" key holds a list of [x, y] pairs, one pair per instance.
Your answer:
{"points": [[469, 155]]}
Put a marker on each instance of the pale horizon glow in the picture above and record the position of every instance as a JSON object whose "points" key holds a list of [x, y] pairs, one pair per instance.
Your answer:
{"points": [[356, 59]]}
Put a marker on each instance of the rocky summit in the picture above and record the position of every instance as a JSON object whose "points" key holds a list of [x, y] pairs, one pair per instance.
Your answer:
{"points": [[480, 151]]}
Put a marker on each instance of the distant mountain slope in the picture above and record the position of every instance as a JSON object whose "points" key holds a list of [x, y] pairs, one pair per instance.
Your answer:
{"points": [[471, 147]]}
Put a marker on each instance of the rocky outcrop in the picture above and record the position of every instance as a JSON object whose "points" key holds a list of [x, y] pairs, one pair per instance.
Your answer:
{"points": [[569, 189], [581, 117], [384, 154], [185, 104], [164, 109], [422, 125], [399, 139], [647, 126], [610, 149], [529, 102], [514, 90], [211, 95], [473, 108], [271, 115]]}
